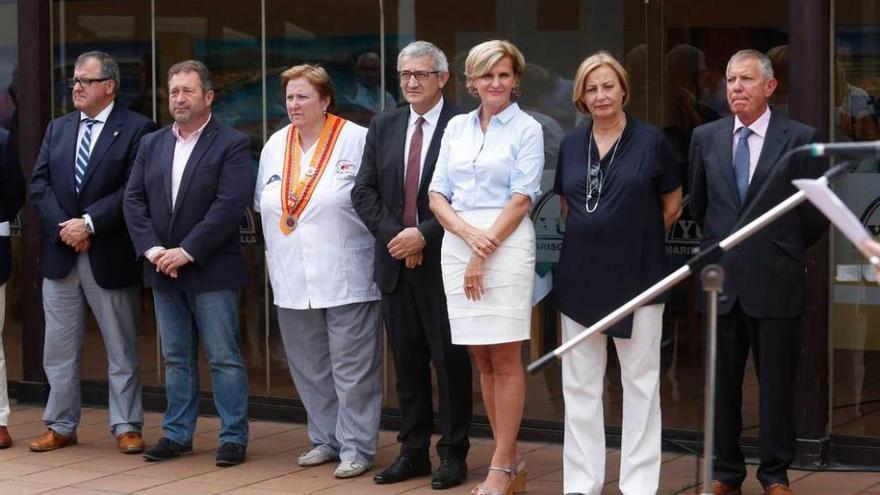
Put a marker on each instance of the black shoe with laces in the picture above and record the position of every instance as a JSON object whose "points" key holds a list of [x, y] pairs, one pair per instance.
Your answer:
{"points": [[166, 449], [230, 454]]}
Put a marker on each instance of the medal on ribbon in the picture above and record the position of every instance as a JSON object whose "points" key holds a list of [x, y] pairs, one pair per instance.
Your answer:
{"points": [[296, 192]]}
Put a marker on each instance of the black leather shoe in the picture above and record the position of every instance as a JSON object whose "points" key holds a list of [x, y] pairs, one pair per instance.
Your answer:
{"points": [[402, 469], [452, 472], [230, 454]]}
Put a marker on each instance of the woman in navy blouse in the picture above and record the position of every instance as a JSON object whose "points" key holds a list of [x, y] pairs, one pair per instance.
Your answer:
{"points": [[488, 173], [620, 189]]}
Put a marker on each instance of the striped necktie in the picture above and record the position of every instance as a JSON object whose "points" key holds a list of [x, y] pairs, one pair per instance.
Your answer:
{"points": [[82, 154]]}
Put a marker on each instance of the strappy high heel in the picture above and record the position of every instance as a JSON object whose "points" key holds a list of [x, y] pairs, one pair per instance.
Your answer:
{"points": [[517, 480]]}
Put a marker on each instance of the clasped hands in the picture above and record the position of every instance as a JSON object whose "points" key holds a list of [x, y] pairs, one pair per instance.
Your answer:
{"points": [[74, 233], [407, 245], [168, 261], [482, 244]]}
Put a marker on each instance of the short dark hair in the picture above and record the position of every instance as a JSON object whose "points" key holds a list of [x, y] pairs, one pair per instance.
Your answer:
{"points": [[109, 67], [193, 66]]}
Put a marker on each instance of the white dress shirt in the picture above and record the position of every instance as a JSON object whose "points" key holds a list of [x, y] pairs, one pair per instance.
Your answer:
{"points": [[328, 259], [97, 127], [756, 138], [482, 170]]}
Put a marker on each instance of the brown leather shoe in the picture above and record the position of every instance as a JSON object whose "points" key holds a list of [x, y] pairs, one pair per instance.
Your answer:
{"points": [[5, 439], [719, 488], [778, 489], [51, 441], [130, 442]]}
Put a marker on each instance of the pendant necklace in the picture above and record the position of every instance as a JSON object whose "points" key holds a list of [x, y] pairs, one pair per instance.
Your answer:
{"points": [[595, 175]]}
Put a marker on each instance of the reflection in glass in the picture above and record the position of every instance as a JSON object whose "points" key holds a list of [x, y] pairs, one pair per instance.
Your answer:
{"points": [[855, 296]]}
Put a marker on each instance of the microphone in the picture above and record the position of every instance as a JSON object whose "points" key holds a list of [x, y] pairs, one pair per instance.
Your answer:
{"points": [[848, 149]]}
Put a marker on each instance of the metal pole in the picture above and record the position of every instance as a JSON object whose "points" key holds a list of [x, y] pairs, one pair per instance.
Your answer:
{"points": [[712, 278]]}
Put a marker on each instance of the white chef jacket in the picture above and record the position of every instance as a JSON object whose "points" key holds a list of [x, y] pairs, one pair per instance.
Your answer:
{"points": [[328, 259]]}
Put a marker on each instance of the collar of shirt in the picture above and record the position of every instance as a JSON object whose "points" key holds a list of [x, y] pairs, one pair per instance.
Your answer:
{"points": [[758, 127], [175, 131], [431, 116], [504, 116], [102, 115]]}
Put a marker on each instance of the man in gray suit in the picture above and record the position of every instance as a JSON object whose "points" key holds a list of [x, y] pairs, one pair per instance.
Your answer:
{"points": [[88, 258]]}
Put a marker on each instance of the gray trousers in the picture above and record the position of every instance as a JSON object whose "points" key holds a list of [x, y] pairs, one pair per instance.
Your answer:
{"points": [[335, 360], [117, 313]]}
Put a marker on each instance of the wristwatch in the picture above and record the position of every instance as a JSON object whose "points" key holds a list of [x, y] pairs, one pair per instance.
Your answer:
{"points": [[88, 226]]}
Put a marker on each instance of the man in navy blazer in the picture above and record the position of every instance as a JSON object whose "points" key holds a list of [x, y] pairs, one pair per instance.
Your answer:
{"points": [[11, 198], [188, 191], [391, 196], [88, 260], [731, 160]]}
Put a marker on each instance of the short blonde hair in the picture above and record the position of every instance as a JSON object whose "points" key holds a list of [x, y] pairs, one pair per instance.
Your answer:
{"points": [[316, 76], [590, 64], [484, 56]]}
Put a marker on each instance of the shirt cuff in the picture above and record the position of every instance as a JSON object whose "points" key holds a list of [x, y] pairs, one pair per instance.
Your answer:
{"points": [[149, 253], [90, 227], [190, 258]]}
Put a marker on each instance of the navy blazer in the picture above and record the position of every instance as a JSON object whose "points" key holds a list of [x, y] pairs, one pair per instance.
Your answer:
{"points": [[766, 272], [11, 197], [215, 190], [55, 200], [377, 195]]}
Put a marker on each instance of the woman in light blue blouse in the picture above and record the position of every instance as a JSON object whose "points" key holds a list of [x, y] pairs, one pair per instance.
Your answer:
{"points": [[487, 175]]}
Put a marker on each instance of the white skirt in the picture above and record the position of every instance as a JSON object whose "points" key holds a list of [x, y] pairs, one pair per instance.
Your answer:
{"points": [[503, 314]]}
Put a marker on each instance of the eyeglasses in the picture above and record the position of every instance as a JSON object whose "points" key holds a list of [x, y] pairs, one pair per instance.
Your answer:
{"points": [[420, 75], [84, 82]]}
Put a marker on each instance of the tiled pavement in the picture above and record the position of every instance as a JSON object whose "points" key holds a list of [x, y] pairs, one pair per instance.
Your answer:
{"points": [[93, 466]]}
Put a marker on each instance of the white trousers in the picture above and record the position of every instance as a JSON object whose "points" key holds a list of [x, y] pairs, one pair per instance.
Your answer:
{"points": [[4, 396], [583, 372]]}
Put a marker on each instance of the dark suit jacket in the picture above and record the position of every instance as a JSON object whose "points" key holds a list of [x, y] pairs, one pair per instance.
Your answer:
{"points": [[215, 190], [377, 195], [11, 197], [766, 272], [54, 196]]}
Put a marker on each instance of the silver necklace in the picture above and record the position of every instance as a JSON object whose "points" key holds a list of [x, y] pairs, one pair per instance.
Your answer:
{"points": [[595, 175]]}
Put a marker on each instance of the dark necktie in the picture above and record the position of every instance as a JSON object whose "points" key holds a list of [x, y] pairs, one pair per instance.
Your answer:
{"points": [[741, 158], [411, 183], [82, 154]]}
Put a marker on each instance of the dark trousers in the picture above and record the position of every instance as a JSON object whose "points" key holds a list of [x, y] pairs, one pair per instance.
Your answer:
{"points": [[775, 345], [418, 329]]}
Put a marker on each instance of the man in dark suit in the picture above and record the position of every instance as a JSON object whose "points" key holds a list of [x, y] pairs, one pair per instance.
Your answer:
{"points": [[390, 195], [731, 160], [11, 198], [88, 261], [188, 191]]}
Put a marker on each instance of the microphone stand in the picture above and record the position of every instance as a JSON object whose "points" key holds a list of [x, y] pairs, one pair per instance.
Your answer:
{"points": [[712, 278]]}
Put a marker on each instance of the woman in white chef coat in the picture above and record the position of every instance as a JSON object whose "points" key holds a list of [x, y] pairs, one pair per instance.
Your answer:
{"points": [[320, 259]]}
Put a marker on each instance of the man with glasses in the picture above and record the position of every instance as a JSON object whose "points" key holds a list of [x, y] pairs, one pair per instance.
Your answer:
{"points": [[88, 259], [390, 195]]}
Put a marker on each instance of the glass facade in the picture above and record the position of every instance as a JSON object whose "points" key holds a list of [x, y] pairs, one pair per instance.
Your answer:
{"points": [[855, 297], [674, 50]]}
